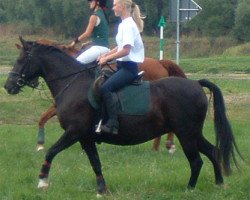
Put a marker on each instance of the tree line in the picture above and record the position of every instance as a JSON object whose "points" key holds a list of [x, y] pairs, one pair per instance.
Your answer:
{"points": [[217, 18]]}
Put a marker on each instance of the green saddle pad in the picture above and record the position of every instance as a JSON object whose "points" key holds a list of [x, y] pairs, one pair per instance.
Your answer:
{"points": [[133, 99]]}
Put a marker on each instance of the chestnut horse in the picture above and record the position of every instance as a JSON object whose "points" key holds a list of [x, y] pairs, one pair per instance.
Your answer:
{"points": [[154, 69], [177, 105]]}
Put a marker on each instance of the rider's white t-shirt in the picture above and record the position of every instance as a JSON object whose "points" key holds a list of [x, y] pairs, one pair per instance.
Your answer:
{"points": [[128, 34]]}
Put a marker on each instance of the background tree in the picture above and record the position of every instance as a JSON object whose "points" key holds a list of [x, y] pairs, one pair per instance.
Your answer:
{"points": [[216, 18], [242, 21]]}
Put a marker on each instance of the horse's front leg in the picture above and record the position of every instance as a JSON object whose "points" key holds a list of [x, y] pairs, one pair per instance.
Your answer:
{"points": [[51, 112], [66, 140], [91, 151]]}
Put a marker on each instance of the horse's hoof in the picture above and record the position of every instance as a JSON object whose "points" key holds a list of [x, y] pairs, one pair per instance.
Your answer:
{"points": [[98, 195], [189, 190], [172, 149], [39, 147], [43, 183], [222, 186]]}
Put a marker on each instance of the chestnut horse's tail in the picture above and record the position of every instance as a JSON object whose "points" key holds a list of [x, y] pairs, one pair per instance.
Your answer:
{"points": [[172, 68], [224, 136]]}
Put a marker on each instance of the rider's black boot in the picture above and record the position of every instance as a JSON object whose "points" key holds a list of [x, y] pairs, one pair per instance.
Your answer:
{"points": [[112, 124]]}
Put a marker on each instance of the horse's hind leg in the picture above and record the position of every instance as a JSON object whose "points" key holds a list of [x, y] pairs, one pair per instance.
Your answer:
{"points": [[190, 149], [170, 143], [42, 121], [212, 153], [91, 151], [156, 143], [66, 140]]}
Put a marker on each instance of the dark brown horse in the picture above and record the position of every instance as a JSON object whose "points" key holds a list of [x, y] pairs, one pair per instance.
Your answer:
{"points": [[177, 105], [154, 69]]}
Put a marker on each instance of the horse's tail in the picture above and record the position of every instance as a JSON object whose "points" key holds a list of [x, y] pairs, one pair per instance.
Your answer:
{"points": [[224, 136], [172, 68]]}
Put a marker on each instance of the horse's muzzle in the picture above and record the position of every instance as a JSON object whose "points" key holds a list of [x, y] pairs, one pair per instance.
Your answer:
{"points": [[12, 88]]}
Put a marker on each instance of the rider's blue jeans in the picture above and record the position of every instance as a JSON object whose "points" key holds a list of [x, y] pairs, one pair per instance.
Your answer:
{"points": [[127, 71]]}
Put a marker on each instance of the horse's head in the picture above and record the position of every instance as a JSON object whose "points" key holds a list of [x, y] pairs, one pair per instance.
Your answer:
{"points": [[25, 70]]}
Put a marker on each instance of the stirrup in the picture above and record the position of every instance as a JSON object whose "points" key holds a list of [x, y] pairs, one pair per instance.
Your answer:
{"points": [[98, 127], [139, 78], [112, 130]]}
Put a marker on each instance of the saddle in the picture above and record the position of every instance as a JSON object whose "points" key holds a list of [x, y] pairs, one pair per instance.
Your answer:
{"points": [[133, 99]]}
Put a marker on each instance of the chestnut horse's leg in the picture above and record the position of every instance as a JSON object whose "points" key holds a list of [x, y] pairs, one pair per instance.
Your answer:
{"points": [[156, 143], [42, 121], [170, 69], [170, 143]]}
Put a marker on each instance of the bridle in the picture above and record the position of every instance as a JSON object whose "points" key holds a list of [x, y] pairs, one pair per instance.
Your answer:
{"points": [[21, 77]]}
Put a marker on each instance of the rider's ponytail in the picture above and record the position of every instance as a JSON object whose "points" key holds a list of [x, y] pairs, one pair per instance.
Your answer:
{"points": [[134, 9], [136, 15]]}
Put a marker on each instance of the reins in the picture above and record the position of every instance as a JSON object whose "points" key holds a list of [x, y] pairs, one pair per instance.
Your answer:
{"points": [[75, 73], [72, 80]]}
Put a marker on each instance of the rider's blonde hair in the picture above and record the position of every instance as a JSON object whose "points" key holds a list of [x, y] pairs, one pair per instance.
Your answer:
{"points": [[134, 9]]}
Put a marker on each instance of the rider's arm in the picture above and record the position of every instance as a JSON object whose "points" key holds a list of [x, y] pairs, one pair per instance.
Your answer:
{"points": [[88, 31], [110, 52], [107, 54], [114, 54], [119, 54]]}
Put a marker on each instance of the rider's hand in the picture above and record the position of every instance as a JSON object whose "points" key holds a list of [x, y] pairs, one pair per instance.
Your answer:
{"points": [[72, 44], [99, 57], [102, 60]]}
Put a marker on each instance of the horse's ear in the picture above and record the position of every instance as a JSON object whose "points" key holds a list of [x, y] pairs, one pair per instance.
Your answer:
{"points": [[18, 46], [21, 39], [24, 43]]}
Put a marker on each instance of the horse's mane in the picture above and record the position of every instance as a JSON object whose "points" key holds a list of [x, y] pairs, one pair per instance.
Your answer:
{"points": [[47, 42], [51, 49]]}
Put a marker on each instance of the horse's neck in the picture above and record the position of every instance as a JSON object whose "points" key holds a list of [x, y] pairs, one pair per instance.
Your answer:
{"points": [[56, 67], [60, 73]]}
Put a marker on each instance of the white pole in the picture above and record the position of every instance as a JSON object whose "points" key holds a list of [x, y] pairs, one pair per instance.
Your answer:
{"points": [[178, 32], [161, 24], [161, 38]]}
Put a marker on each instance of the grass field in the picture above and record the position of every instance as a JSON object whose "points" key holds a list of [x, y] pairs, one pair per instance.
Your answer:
{"points": [[133, 172]]}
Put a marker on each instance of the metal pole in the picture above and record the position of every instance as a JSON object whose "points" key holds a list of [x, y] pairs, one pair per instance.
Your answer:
{"points": [[161, 43], [178, 32]]}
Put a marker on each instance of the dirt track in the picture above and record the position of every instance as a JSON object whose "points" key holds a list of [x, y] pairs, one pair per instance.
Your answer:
{"points": [[4, 70]]}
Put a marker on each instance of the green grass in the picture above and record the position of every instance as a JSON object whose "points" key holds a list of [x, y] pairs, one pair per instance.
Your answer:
{"points": [[133, 172], [215, 65]]}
